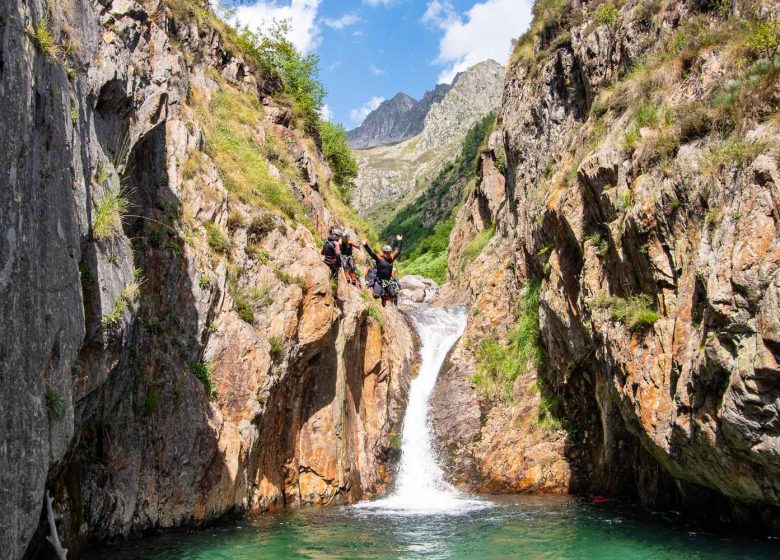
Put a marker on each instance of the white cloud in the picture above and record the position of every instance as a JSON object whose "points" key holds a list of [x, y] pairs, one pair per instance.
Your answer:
{"points": [[304, 32], [325, 113], [376, 71], [358, 115], [375, 3], [485, 31], [344, 21]]}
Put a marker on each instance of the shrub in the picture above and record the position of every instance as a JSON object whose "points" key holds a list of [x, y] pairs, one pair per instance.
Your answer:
{"points": [[277, 348], [109, 211], [763, 38], [235, 220], [260, 227], [216, 239], [607, 14], [339, 155], [202, 373], [499, 365], [544, 418], [636, 312], [55, 403], [244, 308], [476, 246], [601, 244], [694, 120]]}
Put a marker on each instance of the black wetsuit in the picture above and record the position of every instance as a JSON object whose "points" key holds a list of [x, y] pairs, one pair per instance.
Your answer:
{"points": [[331, 253], [384, 272]]}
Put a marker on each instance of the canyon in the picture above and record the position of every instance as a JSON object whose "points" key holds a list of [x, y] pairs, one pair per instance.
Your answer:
{"points": [[606, 207]]}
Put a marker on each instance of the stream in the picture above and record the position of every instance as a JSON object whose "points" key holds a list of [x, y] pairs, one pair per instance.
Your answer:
{"points": [[427, 518]]}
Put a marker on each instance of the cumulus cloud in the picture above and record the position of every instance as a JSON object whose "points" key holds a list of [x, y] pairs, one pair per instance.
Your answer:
{"points": [[340, 23], [304, 32], [357, 116], [376, 71], [325, 113], [484, 31]]}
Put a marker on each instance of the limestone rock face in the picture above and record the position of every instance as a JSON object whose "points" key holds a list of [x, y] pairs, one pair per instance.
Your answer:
{"points": [[195, 358], [392, 174], [680, 411]]}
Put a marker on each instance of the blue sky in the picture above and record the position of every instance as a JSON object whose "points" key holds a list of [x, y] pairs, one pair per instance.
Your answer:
{"points": [[372, 49]]}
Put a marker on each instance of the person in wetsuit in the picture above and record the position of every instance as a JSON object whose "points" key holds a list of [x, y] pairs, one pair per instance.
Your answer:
{"points": [[347, 260], [384, 286], [330, 252]]}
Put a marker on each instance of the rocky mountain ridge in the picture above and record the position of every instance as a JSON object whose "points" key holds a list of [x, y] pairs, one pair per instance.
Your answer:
{"points": [[396, 119], [391, 176]]}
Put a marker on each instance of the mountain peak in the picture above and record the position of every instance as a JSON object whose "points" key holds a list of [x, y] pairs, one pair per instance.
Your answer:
{"points": [[395, 120]]}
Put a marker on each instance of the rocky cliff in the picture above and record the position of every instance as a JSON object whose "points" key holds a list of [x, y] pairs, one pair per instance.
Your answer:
{"points": [[391, 176], [623, 271], [396, 119], [173, 348]]}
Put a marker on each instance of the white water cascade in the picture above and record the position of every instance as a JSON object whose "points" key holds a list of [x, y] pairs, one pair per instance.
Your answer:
{"points": [[420, 486]]}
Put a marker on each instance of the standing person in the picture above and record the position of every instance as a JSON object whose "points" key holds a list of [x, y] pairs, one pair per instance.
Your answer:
{"points": [[330, 252], [384, 286], [347, 260]]}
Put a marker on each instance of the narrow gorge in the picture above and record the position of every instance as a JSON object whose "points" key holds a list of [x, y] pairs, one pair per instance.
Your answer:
{"points": [[590, 290]]}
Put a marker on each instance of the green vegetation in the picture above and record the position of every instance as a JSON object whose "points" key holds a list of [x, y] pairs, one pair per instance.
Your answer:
{"points": [[732, 152], [339, 155], [109, 211], [127, 297], [299, 72], [636, 312], [601, 244], [202, 372], [216, 239], [204, 281], [499, 364], [425, 247], [277, 348], [476, 246], [291, 279], [55, 403], [230, 123], [42, 38], [607, 14], [544, 417], [151, 403], [244, 308]]}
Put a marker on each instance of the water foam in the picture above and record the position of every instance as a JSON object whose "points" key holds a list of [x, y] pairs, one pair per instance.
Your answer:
{"points": [[420, 486]]}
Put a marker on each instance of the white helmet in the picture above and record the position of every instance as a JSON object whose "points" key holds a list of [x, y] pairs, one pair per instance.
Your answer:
{"points": [[387, 249]]}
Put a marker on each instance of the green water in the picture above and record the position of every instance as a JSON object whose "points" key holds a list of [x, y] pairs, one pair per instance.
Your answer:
{"points": [[526, 528]]}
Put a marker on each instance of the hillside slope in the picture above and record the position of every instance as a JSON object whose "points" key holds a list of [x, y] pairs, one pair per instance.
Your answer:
{"points": [[625, 319], [392, 176]]}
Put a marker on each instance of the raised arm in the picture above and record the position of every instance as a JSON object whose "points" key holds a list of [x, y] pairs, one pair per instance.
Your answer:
{"points": [[370, 252], [399, 247]]}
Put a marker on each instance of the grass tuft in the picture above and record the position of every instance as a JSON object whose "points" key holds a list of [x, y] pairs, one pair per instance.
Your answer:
{"points": [[476, 246], [55, 403], [109, 211], [202, 372], [636, 312]]}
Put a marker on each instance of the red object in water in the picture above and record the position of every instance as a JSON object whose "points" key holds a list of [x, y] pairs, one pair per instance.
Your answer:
{"points": [[599, 500]]}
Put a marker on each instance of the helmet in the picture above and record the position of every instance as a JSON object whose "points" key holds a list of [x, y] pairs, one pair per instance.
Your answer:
{"points": [[336, 232], [387, 249]]}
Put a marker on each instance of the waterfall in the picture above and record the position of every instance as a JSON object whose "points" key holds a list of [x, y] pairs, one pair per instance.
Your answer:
{"points": [[420, 487]]}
